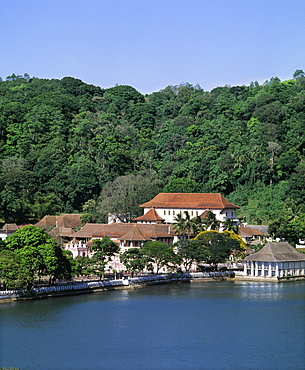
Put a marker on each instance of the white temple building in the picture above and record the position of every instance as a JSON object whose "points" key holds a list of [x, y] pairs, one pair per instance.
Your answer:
{"points": [[275, 260]]}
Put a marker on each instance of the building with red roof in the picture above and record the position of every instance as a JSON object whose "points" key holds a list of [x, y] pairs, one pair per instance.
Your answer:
{"points": [[166, 206]]}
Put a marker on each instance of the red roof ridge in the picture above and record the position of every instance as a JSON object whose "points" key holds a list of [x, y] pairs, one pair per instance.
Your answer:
{"points": [[135, 234], [151, 215], [190, 200]]}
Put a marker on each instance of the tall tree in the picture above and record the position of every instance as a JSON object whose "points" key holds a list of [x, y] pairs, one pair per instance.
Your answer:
{"points": [[134, 260], [103, 250], [218, 246], [211, 221], [190, 251], [230, 226], [159, 255], [37, 254]]}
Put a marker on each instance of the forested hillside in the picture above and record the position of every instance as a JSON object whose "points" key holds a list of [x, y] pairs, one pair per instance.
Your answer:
{"points": [[67, 146]]}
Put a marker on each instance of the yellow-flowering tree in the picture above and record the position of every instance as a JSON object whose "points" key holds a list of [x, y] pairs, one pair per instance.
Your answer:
{"points": [[232, 235]]}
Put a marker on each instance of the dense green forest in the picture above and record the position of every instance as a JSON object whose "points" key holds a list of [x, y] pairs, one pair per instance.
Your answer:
{"points": [[67, 146]]}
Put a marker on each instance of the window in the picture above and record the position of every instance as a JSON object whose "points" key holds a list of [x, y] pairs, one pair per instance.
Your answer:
{"points": [[164, 213], [174, 213], [169, 212]]}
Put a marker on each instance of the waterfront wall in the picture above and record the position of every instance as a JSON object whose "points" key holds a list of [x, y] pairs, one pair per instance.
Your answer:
{"points": [[91, 286]]}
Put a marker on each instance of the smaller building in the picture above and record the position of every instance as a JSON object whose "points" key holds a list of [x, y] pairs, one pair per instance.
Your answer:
{"points": [[251, 234], [150, 217], [275, 260], [61, 227], [7, 230]]}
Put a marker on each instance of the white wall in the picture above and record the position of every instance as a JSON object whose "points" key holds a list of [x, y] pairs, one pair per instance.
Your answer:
{"points": [[169, 214]]}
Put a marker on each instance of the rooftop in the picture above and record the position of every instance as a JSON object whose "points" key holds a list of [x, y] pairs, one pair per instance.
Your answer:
{"points": [[277, 252], [190, 200], [150, 216], [122, 230]]}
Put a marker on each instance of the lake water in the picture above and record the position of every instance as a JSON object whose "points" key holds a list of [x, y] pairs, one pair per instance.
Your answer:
{"points": [[208, 325]]}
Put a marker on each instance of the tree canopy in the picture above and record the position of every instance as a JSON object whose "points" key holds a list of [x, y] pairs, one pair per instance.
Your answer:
{"points": [[30, 253], [218, 246], [65, 142]]}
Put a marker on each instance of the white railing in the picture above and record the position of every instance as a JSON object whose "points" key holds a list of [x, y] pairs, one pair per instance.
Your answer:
{"points": [[114, 283]]}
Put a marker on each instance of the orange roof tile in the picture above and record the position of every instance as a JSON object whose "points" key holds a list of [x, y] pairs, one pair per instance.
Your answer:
{"points": [[119, 230], [135, 234], [151, 215], [245, 231], [66, 220], [190, 200], [47, 221]]}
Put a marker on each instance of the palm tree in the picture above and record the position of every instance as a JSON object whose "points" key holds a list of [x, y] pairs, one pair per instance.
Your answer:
{"points": [[183, 226], [188, 224], [198, 225], [211, 221], [230, 226], [179, 225]]}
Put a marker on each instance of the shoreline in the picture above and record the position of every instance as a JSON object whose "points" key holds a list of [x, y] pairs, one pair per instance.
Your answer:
{"points": [[97, 287], [129, 284]]}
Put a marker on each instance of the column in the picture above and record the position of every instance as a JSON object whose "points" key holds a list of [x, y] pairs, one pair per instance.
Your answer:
{"points": [[256, 269], [277, 269], [245, 268]]}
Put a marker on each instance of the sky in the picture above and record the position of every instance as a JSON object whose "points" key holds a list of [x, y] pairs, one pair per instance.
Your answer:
{"points": [[150, 44]]}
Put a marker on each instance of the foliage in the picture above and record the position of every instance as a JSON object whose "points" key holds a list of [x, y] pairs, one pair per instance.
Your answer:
{"points": [[182, 185], [218, 246], [232, 235], [210, 221], [159, 254], [229, 225], [187, 226], [85, 218], [190, 251], [103, 250], [31, 252], [64, 143], [290, 225], [134, 260]]}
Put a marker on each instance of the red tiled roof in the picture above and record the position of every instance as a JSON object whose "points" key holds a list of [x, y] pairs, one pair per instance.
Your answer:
{"points": [[47, 221], [119, 230], [71, 220], [189, 200], [135, 234], [151, 215], [65, 220], [246, 231]]}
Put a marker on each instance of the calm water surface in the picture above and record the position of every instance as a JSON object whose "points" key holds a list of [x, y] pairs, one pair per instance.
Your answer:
{"points": [[210, 325]]}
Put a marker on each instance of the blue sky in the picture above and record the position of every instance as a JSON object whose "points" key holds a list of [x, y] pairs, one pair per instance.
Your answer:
{"points": [[150, 44]]}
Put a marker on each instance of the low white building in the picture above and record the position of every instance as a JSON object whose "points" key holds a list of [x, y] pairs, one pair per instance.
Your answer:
{"points": [[275, 260]]}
